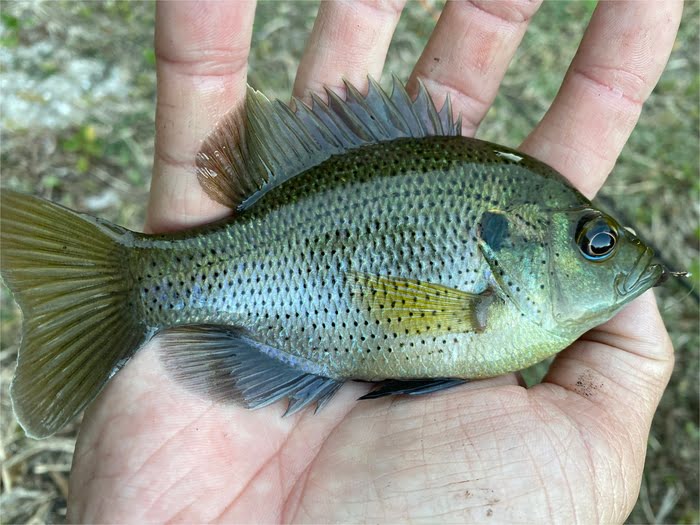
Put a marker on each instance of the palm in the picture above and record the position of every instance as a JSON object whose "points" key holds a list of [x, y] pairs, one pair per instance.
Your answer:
{"points": [[570, 449], [161, 453], [457, 455]]}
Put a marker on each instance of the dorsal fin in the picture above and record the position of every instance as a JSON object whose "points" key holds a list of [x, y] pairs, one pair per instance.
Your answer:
{"points": [[263, 144]]}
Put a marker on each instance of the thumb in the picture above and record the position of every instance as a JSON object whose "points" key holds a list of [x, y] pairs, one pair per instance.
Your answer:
{"points": [[623, 366]]}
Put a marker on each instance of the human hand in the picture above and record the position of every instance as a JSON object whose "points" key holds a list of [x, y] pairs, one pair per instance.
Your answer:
{"points": [[569, 449]]}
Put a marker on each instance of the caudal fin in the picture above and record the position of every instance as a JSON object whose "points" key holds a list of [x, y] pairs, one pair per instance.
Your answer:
{"points": [[68, 274]]}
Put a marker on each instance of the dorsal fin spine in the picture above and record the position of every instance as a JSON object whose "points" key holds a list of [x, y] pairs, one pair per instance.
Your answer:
{"points": [[246, 156]]}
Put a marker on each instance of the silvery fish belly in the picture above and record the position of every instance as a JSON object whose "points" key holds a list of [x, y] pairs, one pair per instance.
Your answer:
{"points": [[368, 241]]}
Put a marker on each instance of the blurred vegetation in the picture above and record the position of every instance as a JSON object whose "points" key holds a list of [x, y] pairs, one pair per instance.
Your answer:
{"points": [[77, 112]]}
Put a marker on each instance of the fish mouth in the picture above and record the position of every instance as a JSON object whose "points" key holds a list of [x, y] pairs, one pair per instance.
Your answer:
{"points": [[642, 277]]}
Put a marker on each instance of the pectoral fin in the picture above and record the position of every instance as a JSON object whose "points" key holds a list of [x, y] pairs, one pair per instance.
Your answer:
{"points": [[417, 307]]}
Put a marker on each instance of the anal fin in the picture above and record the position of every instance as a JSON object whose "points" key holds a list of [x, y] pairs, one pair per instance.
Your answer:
{"points": [[228, 364], [412, 387]]}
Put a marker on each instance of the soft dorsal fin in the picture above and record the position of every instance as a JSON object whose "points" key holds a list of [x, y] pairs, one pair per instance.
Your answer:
{"points": [[263, 144]]}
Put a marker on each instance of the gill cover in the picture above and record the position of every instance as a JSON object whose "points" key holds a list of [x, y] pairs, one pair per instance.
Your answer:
{"points": [[515, 244]]}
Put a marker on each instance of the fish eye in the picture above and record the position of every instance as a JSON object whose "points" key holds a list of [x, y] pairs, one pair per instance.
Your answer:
{"points": [[596, 238]]}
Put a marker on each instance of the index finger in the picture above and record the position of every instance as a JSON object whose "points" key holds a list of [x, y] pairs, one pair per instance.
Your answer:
{"points": [[618, 63], [201, 55]]}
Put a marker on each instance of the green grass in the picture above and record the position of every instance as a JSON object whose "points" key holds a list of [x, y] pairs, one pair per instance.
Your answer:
{"points": [[97, 156]]}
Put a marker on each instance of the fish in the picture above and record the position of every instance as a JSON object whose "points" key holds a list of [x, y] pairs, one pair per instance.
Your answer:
{"points": [[368, 240]]}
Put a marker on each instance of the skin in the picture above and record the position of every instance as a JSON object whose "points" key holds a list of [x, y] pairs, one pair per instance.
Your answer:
{"points": [[568, 450]]}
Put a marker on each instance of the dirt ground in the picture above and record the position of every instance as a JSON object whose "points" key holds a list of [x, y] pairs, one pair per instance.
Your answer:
{"points": [[78, 89]]}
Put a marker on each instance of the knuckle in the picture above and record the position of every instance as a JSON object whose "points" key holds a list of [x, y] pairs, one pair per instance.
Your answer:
{"points": [[516, 12], [616, 81], [210, 62], [384, 7]]}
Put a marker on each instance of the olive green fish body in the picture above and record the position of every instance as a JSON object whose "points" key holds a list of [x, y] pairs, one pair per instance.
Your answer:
{"points": [[368, 241], [409, 208]]}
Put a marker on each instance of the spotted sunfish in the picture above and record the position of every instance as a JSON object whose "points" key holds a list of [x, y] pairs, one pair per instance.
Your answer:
{"points": [[368, 240]]}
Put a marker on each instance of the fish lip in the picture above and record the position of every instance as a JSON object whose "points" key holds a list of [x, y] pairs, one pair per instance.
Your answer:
{"points": [[665, 275], [642, 276]]}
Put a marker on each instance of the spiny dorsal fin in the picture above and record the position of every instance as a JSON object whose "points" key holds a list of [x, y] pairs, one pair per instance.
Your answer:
{"points": [[263, 144]]}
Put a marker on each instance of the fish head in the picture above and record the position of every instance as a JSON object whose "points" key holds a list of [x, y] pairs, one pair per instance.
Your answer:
{"points": [[567, 270]]}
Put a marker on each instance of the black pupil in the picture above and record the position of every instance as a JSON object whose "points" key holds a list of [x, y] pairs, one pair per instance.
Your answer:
{"points": [[597, 239], [601, 243]]}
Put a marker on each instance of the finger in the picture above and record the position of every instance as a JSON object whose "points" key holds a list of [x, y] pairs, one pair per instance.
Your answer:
{"points": [[622, 366], [202, 52], [469, 52], [349, 41], [618, 63]]}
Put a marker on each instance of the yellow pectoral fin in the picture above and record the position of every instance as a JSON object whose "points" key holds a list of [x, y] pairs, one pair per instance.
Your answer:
{"points": [[414, 307]]}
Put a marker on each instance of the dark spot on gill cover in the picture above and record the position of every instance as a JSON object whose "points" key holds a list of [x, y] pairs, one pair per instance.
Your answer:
{"points": [[494, 229]]}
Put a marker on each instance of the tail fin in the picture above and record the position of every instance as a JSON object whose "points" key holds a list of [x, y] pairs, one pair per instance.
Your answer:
{"points": [[67, 272]]}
